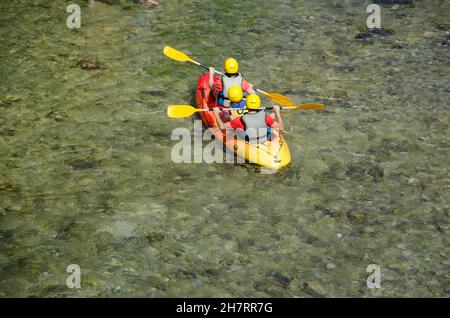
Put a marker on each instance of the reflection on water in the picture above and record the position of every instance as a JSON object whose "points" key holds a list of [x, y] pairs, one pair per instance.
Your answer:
{"points": [[86, 176]]}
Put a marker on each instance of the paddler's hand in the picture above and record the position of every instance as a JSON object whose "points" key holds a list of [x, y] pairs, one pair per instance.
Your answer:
{"points": [[250, 89], [276, 109], [212, 70]]}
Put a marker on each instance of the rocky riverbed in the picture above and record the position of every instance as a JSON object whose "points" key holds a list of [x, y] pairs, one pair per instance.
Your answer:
{"points": [[86, 175]]}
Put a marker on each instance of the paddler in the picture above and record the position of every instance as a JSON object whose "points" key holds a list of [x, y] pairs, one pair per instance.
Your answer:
{"points": [[236, 97], [230, 78], [257, 125], [237, 101]]}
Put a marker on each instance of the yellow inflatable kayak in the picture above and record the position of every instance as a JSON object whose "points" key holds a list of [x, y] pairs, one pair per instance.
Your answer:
{"points": [[273, 155]]}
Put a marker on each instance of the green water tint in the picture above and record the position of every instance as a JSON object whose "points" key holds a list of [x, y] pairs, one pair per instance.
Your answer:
{"points": [[86, 175]]}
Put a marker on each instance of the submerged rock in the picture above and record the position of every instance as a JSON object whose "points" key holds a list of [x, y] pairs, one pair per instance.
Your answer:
{"points": [[7, 132], [54, 115], [283, 280], [355, 171], [359, 171], [357, 216], [8, 100], [153, 235], [90, 65], [4, 185], [446, 41], [429, 35], [400, 15], [443, 26], [368, 36], [80, 164], [71, 229], [399, 45], [314, 289], [268, 287], [382, 31], [376, 171], [330, 266], [364, 36], [339, 102]]}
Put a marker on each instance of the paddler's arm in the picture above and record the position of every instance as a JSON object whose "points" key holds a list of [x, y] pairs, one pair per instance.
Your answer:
{"points": [[279, 123], [220, 123], [211, 77], [247, 87]]}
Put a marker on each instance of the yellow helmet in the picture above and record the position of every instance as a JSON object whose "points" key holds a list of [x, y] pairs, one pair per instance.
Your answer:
{"points": [[235, 94], [231, 65], [253, 101]]}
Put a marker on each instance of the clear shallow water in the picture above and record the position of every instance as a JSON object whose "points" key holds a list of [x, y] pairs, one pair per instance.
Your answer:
{"points": [[86, 175]]}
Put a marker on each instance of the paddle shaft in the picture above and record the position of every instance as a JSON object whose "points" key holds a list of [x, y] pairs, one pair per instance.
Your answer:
{"points": [[183, 111], [228, 108], [220, 73], [206, 67]]}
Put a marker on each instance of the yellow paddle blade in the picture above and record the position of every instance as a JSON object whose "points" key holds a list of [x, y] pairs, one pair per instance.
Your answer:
{"points": [[181, 111], [278, 98], [281, 99], [176, 55], [308, 106]]}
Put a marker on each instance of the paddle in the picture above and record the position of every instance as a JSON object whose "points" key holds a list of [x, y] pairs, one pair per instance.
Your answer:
{"points": [[306, 106], [183, 111], [181, 57]]}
